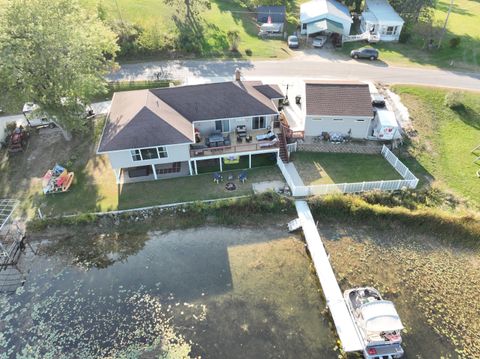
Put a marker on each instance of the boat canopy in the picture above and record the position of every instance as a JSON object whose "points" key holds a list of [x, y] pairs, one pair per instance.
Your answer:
{"points": [[381, 316]]}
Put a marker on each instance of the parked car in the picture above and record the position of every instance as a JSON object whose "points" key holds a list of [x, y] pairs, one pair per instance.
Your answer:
{"points": [[365, 53], [293, 42], [378, 100], [319, 41], [34, 118]]}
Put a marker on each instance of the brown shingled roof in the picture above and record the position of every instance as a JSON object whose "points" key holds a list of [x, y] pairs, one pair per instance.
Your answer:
{"points": [[338, 99], [157, 117], [215, 101], [138, 119]]}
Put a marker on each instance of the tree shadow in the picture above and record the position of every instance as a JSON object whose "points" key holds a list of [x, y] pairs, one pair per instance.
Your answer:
{"points": [[455, 9], [469, 116]]}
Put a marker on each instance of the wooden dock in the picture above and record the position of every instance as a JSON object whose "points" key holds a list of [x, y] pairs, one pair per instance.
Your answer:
{"points": [[346, 328]]}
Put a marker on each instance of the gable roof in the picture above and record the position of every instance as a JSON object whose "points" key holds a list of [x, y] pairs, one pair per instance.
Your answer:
{"points": [[321, 9], [383, 11], [159, 117], [216, 101], [276, 13], [137, 119], [338, 99]]}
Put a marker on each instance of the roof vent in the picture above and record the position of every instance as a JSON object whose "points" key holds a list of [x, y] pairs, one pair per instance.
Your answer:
{"points": [[238, 74]]}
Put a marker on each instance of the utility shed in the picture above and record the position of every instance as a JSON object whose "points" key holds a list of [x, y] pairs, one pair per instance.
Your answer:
{"points": [[381, 19], [328, 16], [337, 107]]}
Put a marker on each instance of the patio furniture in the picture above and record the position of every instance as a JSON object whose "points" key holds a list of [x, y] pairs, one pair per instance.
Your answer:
{"points": [[239, 139], [241, 130], [215, 139], [226, 140], [248, 139], [242, 176], [266, 137], [217, 177], [269, 144]]}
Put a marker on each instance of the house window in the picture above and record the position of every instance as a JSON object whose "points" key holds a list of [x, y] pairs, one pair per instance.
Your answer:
{"points": [[222, 125], [136, 155], [304, 26], [162, 152], [149, 153], [360, 120], [338, 119], [390, 30], [258, 122]]}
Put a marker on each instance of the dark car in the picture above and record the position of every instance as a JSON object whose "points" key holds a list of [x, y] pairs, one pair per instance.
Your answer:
{"points": [[293, 42], [365, 53]]}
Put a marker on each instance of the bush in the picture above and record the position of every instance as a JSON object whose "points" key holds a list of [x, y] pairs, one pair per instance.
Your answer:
{"points": [[248, 52], [453, 100], [454, 42], [10, 127]]}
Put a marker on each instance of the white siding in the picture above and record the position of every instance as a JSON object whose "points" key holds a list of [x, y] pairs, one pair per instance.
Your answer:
{"points": [[315, 125], [176, 153], [207, 127]]}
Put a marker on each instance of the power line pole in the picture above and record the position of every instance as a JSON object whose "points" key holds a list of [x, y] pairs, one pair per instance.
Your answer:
{"points": [[445, 24]]}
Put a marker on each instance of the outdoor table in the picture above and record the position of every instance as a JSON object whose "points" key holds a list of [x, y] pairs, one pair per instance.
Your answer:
{"points": [[216, 140]]}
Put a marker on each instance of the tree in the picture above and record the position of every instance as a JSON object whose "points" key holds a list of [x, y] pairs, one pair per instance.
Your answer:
{"points": [[412, 10], [56, 54], [234, 39]]}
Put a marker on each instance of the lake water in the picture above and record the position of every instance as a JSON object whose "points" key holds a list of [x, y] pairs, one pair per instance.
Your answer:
{"points": [[207, 292]]}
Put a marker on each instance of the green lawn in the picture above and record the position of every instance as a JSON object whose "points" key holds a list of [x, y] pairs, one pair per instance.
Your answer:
{"points": [[216, 23], [445, 138], [324, 168], [463, 22], [94, 187]]}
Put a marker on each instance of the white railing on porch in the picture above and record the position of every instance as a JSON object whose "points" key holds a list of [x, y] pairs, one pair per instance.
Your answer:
{"points": [[408, 181]]}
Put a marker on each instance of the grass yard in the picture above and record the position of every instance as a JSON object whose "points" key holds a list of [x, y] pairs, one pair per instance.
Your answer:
{"points": [[463, 22], [94, 187], [445, 138], [216, 23], [324, 168]]}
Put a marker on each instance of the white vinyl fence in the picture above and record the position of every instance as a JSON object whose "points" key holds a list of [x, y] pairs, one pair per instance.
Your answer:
{"points": [[409, 181]]}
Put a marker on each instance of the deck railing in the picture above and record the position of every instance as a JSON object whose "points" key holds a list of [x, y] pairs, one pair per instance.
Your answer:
{"points": [[247, 147]]}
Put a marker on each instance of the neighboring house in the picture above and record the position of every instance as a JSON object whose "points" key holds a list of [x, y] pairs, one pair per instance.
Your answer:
{"points": [[337, 107], [379, 18], [276, 14], [325, 16], [169, 132]]}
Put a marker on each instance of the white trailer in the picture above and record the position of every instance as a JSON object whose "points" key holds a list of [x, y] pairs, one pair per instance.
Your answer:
{"points": [[385, 125]]}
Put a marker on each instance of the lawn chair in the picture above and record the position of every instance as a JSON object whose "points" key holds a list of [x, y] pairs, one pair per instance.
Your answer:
{"points": [[242, 176], [217, 177]]}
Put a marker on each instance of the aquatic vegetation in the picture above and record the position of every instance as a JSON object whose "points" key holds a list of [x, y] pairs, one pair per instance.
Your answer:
{"points": [[432, 285]]}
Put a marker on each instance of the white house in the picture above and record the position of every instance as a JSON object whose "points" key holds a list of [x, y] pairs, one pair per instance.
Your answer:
{"points": [[379, 18], [328, 16], [337, 107], [168, 132]]}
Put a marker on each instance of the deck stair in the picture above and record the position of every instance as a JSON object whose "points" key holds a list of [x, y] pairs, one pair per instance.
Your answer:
{"points": [[283, 145]]}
